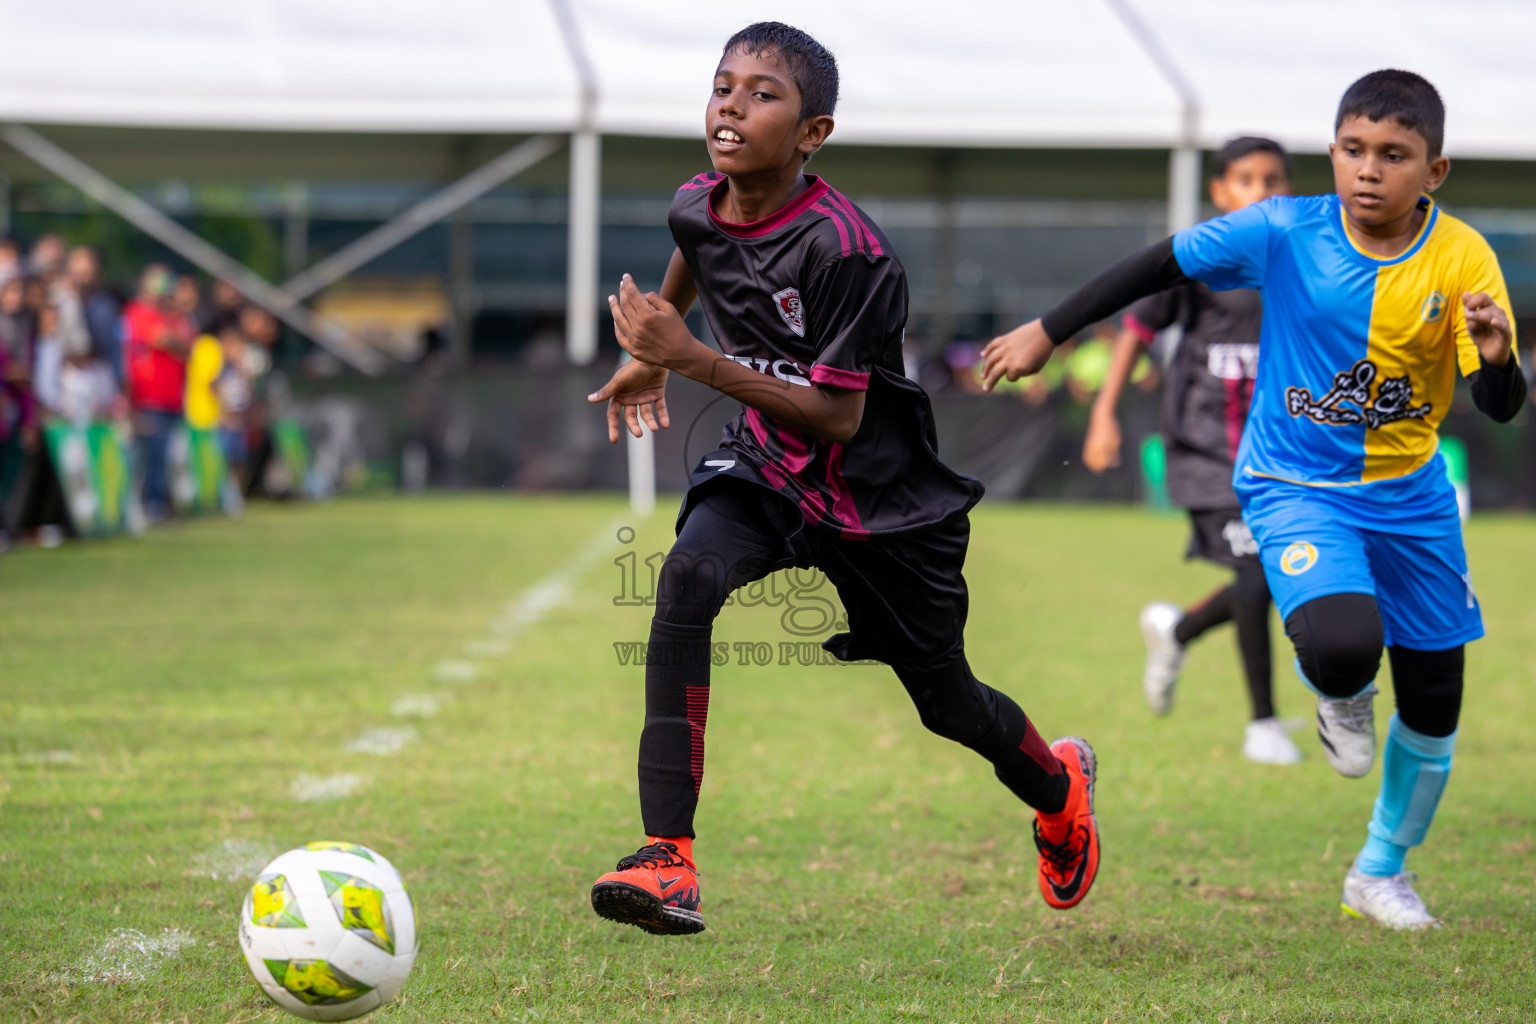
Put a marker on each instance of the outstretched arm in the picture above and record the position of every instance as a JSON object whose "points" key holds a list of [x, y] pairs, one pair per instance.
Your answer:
{"points": [[1025, 350], [638, 390], [1101, 448], [650, 329]]}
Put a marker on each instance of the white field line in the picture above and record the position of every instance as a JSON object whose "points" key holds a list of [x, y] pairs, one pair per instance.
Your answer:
{"points": [[383, 741], [519, 615], [495, 647], [312, 789], [419, 705], [455, 671], [48, 757], [130, 955], [233, 860], [539, 600]]}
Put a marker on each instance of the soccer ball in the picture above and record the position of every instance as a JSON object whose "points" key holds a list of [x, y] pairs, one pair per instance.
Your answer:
{"points": [[329, 931]]}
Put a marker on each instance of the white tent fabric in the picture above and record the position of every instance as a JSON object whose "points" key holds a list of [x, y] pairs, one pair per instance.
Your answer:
{"points": [[961, 72], [360, 65], [1278, 67]]}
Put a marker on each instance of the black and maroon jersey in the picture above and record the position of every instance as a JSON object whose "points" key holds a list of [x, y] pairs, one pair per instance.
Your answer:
{"points": [[1208, 385], [815, 296]]}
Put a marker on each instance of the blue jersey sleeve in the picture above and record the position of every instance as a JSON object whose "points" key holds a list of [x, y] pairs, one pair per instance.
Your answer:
{"points": [[1227, 252]]}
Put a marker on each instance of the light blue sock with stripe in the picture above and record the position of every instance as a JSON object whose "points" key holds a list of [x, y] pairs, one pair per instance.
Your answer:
{"points": [[1296, 664], [1414, 771]]}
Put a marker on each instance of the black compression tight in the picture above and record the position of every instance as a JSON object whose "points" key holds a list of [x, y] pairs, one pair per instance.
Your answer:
{"points": [[1338, 640], [727, 541], [1245, 603]]}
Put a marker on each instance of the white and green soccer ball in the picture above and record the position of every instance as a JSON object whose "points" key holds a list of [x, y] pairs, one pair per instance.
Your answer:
{"points": [[329, 931]]}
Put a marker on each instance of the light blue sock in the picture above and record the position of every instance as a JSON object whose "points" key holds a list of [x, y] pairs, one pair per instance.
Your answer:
{"points": [[1296, 664], [1414, 771]]}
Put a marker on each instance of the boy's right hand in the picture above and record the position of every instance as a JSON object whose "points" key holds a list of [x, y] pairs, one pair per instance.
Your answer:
{"points": [[1101, 448], [636, 390], [1022, 352]]}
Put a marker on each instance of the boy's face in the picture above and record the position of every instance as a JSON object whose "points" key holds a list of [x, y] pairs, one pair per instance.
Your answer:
{"points": [[1381, 168], [752, 123], [1249, 180]]}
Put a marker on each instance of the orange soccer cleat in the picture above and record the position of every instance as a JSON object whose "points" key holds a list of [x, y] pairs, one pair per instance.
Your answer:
{"points": [[1069, 841], [656, 888]]}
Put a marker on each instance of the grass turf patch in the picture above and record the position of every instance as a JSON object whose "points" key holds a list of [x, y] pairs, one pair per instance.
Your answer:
{"points": [[175, 710]]}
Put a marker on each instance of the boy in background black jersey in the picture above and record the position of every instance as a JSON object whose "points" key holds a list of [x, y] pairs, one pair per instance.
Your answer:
{"points": [[1208, 386], [832, 464]]}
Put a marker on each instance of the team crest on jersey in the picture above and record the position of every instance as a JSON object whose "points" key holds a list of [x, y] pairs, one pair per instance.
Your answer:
{"points": [[1351, 400], [788, 303], [1433, 308], [1298, 558]]}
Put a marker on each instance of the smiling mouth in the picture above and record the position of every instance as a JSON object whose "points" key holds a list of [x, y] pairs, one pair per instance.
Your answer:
{"points": [[726, 138]]}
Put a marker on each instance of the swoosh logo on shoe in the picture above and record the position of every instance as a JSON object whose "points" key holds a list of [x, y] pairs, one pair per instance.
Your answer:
{"points": [[1066, 892]]}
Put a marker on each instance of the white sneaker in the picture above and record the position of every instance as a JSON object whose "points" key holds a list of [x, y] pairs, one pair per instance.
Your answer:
{"points": [[1390, 901], [1267, 741], [1347, 729], [1165, 655]]}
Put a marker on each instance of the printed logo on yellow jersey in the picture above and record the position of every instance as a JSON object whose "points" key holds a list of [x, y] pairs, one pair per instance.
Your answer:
{"points": [[1298, 558], [1351, 399], [1433, 309], [1361, 352]]}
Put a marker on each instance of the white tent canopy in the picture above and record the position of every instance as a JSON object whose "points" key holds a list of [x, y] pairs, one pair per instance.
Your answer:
{"points": [[964, 72]]}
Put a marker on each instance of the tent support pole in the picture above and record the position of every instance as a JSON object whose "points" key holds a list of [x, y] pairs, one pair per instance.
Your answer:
{"points": [[581, 272], [423, 215], [1183, 188], [189, 245], [1184, 161]]}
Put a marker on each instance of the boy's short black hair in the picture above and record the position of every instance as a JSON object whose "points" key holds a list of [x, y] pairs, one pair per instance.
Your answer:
{"points": [[1247, 145], [810, 64], [1404, 97]]}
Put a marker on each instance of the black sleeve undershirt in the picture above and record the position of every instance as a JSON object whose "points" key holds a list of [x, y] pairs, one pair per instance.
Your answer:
{"points": [[1148, 272], [1498, 392]]}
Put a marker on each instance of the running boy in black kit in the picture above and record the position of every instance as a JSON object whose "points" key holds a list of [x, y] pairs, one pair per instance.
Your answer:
{"points": [[832, 464]]}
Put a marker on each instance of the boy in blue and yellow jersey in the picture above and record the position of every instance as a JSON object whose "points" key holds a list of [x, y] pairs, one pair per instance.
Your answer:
{"points": [[1373, 300]]}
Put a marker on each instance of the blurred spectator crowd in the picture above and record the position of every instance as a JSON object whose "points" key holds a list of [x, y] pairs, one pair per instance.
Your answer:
{"points": [[75, 351]]}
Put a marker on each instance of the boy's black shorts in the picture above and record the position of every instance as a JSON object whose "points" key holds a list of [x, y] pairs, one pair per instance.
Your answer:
{"points": [[905, 596], [1219, 535]]}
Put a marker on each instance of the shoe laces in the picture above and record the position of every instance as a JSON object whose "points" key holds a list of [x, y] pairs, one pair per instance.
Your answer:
{"points": [[656, 855], [1357, 714], [1397, 891], [1061, 856]]}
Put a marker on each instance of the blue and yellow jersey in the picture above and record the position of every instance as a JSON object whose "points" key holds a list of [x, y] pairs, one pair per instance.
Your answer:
{"points": [[1358, 354]]}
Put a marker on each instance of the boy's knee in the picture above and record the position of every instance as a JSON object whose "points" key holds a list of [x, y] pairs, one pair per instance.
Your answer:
{"points": [[690, 588], [950, 702], [1338, 639]]}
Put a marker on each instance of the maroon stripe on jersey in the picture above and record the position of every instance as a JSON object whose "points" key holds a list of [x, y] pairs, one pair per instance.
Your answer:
{"points": [[842, 497], [821, 374], [797, 456], [1239, 392], [700, 181], [698, 714], [1136, 327], [839, 223], [840, 214], [771, 470], [862, 224], [757, 228]]}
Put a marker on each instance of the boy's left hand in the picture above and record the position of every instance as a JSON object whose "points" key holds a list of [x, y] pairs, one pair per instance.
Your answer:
{"points": [[649, 327], [1488, 325]]}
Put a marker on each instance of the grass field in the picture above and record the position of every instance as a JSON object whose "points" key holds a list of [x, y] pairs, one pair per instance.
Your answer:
{"points": [[164, 705]]}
